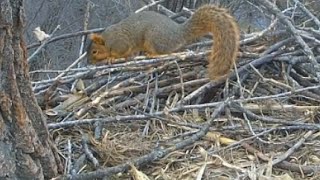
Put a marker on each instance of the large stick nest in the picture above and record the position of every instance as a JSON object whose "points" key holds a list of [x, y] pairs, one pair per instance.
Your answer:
{"points": [[164, 116]]}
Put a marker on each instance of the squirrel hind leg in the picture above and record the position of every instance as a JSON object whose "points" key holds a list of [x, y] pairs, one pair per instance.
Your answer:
{"points": [[154, 47], [150, 55], [150, 49]]}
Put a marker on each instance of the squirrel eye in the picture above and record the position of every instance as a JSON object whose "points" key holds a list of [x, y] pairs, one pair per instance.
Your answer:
{"points": [[94, 52]]}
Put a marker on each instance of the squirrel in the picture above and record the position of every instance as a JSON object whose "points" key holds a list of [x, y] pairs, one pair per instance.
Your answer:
{"points": [[157, 34]]}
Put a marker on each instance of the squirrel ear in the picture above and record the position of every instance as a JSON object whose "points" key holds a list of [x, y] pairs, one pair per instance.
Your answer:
{"points": [[96, 38]]}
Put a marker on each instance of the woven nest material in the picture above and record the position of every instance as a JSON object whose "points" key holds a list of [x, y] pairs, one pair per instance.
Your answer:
{"points": [[163, 116]]}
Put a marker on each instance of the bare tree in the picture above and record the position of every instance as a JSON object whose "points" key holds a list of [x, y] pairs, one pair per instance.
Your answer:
{"points": [[25, 148]]}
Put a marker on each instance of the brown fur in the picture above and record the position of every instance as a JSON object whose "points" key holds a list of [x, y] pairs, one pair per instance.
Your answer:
{"points": [[225, 33], [157, 34]]}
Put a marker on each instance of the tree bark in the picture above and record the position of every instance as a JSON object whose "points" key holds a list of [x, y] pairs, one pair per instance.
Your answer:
{"points": [[26, 151]]}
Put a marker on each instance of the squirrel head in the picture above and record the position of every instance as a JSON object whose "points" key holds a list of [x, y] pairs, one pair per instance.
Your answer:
{"points": [[97, 50]]}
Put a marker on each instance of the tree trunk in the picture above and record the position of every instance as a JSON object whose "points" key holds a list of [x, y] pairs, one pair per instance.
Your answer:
{"points": [[25, 148]]}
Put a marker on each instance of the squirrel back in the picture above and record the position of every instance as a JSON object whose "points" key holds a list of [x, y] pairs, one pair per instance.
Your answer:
{"points": [[157, 34]]}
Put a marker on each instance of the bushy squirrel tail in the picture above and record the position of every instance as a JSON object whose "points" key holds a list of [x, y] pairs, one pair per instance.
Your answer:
{"points": [[225, 31]]}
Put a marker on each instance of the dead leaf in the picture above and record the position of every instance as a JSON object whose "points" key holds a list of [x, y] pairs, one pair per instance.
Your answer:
{"points": [[136, 174]]}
